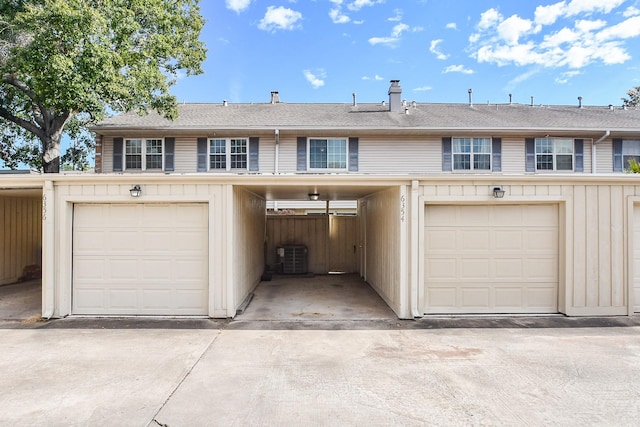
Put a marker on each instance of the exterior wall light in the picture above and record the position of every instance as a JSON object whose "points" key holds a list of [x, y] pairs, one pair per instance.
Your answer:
{"points": [[135, 191], [498, 192], [314, 196]]}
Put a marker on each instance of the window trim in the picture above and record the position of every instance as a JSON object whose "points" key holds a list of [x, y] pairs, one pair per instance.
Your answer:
{"points": [[555, 154], [143, 154], [472, 155], [625, 153], [228, 155], [328, 169]]}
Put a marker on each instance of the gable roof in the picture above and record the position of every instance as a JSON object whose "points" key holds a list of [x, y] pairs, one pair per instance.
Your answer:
{"points": [[420, 116]]}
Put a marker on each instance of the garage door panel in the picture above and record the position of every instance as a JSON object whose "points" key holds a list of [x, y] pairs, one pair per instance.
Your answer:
{"points": [[473, 240], [508, 298], [504, 260], [475, 269], [155, 263], [475, 298]]}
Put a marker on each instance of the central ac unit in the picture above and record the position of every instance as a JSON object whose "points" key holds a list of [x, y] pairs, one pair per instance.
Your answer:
{"points": [[292, 259]]}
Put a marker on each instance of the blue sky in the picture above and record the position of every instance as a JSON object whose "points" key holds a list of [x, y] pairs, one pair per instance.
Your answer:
{"points": [[324, 50]]}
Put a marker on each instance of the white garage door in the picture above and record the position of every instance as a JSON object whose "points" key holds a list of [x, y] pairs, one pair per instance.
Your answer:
{"points": [[491, 259], [636, 260], [140, 259]]}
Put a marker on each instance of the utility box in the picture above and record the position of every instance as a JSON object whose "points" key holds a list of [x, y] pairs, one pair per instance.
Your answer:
{"points": [[292, 259]]}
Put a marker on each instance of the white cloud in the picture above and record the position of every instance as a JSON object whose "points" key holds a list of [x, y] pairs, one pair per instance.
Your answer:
{"points": [[396, 32], [359, 4], [624, 30], [316, 79], [576, 7], [631, 11], [376, 78], [383, 40], [451, 26], [422, 89], [565, 77], [489, 19], [511, 29], [398, 29], [577, 40], [237, 5], [338, 17], [457, 69], [547, 15], [433, 48], [279, 18], [397, 17]]}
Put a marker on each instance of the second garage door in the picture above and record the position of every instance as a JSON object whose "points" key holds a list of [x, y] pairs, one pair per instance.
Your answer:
{"points": [[491, 259], [140, 259]]}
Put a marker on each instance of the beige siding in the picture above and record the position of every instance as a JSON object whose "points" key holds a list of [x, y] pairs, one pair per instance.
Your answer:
{"points": [[592, 236], [598, 248], [383, 245], [107, 154], [288, 155], [310, 231], [186, 155], [399, 155], [604, 156], [248, 241], [20, 236], [513, 156], [266, 155]]}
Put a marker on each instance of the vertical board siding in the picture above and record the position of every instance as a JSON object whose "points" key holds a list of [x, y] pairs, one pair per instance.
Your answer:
{"points": [[20, 236], [248, 240], [383, 245], [343, 244], [310, 231]]}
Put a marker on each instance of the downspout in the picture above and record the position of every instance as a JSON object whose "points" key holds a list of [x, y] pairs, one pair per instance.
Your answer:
{"points": [[277, 137], [415, 208], [48, 250], [593, 150]]}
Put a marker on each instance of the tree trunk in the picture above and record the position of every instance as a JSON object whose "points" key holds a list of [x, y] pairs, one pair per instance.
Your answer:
{"points": [[51, 153]]}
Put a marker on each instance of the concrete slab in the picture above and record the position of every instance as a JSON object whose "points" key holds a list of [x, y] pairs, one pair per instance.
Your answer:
{"points": [[71, 377], [413, 378], [21, 301], [322, 297], [145, 372]]}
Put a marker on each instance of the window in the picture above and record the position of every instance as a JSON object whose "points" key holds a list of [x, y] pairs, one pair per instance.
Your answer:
{"points": [[143, 154], [471, 153], [328, 153], [228, 154], [630, 150], [554, 154]]}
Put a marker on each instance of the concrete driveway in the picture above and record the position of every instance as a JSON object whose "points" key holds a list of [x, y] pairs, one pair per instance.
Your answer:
{"points": [[492, 371]]}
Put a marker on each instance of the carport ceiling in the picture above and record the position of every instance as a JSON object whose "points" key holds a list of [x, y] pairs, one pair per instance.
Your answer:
{"points": [[326, 192], [21, 192]]}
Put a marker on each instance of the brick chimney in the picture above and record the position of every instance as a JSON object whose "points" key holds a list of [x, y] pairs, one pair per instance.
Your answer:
{"points": [[395, 95]]}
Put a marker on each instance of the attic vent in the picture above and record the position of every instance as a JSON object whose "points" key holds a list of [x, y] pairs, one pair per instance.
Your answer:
{"points": [[275, 97], [224, 102]]}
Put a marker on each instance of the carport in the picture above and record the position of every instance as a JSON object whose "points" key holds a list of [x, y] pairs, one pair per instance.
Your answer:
{"points": [[20, 246], [366, 247]]}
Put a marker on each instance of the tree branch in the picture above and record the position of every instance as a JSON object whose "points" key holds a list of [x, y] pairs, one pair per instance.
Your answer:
{"points": [[12, 80], [25, 124]]}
